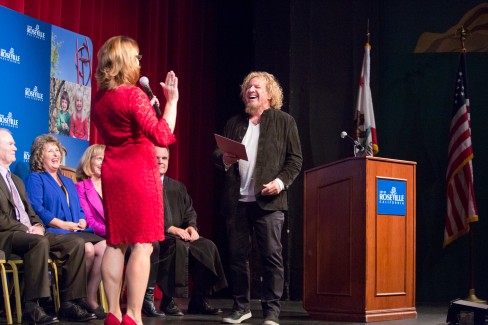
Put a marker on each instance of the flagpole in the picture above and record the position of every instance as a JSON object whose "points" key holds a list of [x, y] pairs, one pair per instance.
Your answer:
{"points": [[364, 123], [472, 292], [463, 34]]}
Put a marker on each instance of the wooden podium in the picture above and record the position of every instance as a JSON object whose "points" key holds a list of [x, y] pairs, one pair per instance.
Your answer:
{"points": [[359, 261]]}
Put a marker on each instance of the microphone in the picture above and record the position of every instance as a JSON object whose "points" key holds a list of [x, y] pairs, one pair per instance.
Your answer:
{"points": [[356, 142], [144, 82]]}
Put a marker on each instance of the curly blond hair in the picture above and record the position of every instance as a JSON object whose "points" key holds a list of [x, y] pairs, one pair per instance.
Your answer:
{"points": [[272, 86], [84, 170], [36, 157], [117, 64]]}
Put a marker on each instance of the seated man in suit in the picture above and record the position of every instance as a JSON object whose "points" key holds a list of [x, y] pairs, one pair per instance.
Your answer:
{"points": [[22, 233], [182, 249]]}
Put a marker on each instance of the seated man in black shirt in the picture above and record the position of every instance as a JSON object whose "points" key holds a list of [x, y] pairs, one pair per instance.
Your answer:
{"points": [[181, 252]]}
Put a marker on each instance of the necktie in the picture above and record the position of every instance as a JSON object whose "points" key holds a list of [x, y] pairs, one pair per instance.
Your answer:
{"points": [[19, 207]]}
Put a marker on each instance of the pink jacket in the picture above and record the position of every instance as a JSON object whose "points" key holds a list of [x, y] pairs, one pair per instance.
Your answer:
{"points": [[91, 204]]}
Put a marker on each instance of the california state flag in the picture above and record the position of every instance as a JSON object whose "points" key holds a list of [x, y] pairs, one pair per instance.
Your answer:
{"points": [[364, 121]]}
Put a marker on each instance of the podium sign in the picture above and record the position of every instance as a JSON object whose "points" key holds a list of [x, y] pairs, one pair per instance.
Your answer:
{"points": [[359, 240], [391, 197]]}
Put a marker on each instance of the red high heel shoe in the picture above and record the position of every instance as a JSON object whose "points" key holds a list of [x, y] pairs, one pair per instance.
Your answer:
{"points": [[127, 320], [111, 320]]}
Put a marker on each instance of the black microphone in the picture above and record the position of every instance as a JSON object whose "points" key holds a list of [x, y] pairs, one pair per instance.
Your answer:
{"points": [[144, 82], [356, 142]]}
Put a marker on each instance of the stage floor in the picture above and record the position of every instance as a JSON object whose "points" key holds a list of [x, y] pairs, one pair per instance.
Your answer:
{"points": [[292, 313]]}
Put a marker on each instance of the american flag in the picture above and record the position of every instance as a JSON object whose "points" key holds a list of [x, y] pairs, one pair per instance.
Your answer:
{"points": [[461, 205]]}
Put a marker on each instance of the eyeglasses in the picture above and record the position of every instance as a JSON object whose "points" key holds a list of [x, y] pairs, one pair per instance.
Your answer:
{"points": [[139, 57]]}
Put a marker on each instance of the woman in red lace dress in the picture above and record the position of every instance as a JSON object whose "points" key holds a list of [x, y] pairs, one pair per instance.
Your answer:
{"points": [[132, 194]]}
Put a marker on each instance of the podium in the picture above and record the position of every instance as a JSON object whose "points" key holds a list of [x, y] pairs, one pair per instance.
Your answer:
{"points": [[359, 240]]}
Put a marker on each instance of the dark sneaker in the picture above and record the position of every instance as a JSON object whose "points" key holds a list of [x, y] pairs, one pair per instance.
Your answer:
{"points": [[237, 316], [271, 320], [169, 307], [74, 313], [37, 316], [99, 312]]}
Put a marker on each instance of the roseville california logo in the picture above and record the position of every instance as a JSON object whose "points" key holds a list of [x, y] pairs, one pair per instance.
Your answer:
{"points": [[9, 55], [9, 121], [36, 32], [392, 197], [33, 94]]}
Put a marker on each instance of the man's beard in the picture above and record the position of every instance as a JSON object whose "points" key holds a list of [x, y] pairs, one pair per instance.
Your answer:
{"points": [[252, 109]]}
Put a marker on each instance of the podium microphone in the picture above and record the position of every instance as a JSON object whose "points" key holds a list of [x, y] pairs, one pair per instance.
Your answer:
{"points": [[356, 142], [144, 82]]}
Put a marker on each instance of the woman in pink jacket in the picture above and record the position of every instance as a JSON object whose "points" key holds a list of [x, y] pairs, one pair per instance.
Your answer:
{"points": [[89, 187]]}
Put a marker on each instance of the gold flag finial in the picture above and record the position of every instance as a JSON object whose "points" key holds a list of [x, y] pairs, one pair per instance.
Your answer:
{"points": [[463, 34], [367, 32]]}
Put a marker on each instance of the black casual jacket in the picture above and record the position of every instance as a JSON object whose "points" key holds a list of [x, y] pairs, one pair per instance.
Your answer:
{"points": [[279, 155]]}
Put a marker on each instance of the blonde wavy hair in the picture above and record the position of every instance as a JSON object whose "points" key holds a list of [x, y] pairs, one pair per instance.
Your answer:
{"points": [[79, 95], [84, 170], [116, 63], [272, 86], [36, 157]]}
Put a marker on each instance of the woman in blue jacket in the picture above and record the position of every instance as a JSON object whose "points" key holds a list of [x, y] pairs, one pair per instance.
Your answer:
{"points": [[55, 199]]}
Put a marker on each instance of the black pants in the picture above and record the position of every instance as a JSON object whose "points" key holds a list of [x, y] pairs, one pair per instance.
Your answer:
{"points": [[267, 226], [171, 274]]}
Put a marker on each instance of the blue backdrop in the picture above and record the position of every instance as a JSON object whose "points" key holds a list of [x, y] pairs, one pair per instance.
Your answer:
{"points": [[38, 61]]}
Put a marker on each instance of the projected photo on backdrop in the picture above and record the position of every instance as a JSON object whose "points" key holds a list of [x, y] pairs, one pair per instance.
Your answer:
{"points": [[70, 91], [69, 107], [69, 110]]}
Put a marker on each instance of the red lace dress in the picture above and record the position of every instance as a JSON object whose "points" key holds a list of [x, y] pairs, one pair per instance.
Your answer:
{"points": [[132, 191]]}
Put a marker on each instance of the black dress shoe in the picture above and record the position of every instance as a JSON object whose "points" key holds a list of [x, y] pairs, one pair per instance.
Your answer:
{"points": [[148, 307], [198, 305], [169, 307], [37, 316], [73, 312], [99, 312]]}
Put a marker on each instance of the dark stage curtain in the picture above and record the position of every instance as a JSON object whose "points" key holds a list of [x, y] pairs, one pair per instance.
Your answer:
{"points": [[172, 35]]}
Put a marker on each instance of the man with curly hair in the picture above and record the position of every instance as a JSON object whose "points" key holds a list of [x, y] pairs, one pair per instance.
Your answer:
{"points": [[255, 191]]}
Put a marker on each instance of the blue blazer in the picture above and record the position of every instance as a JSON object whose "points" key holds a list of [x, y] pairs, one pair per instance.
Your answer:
{"points": [[49, 200]]}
